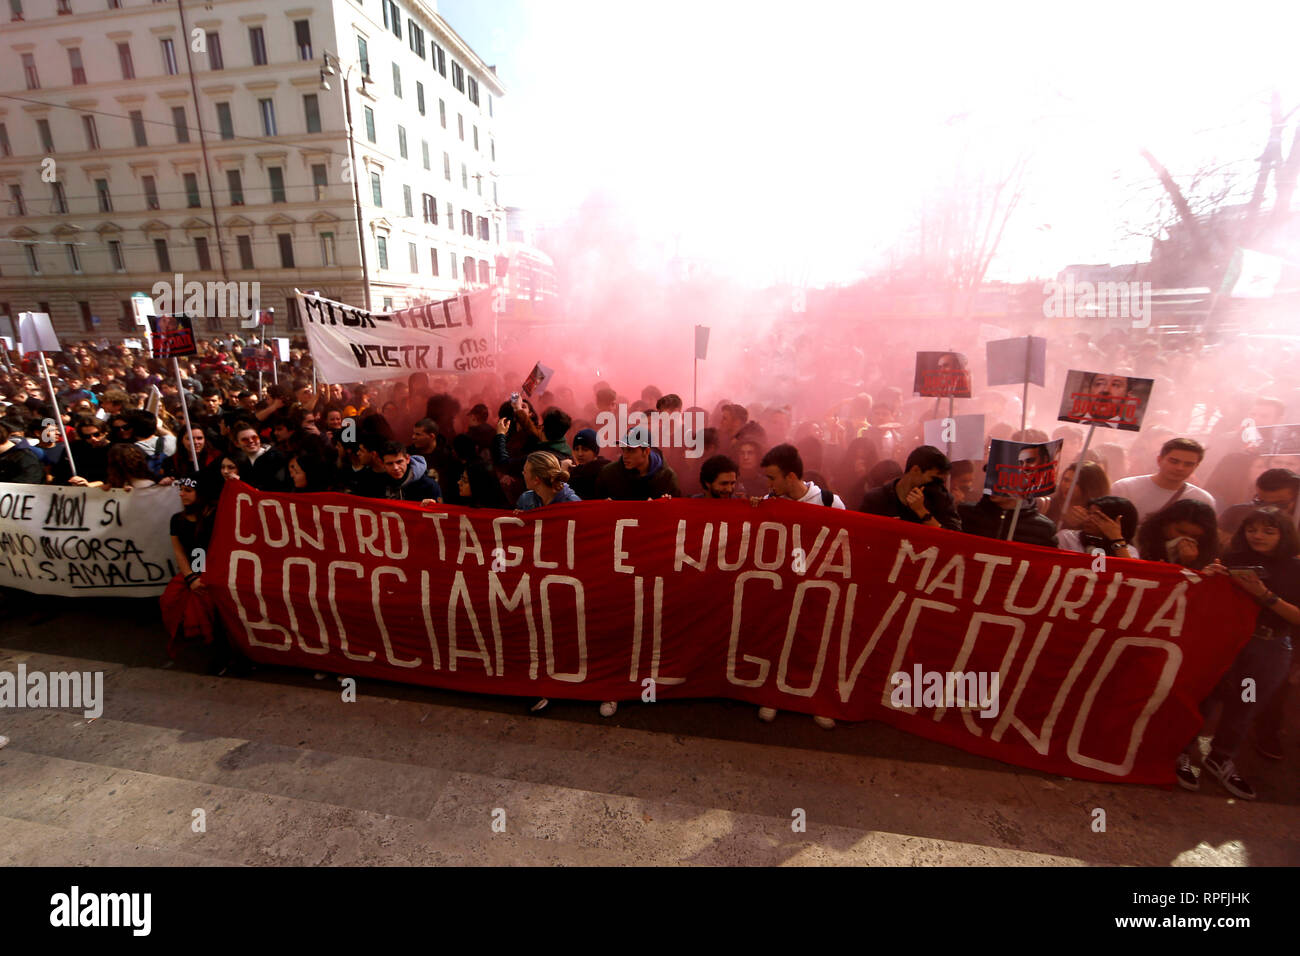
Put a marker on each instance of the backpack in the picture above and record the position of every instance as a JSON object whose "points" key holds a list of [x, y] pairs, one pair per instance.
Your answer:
{"points": [[828, 497]]}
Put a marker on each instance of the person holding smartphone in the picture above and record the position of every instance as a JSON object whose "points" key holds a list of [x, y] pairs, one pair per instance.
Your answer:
{"points": [[1262, 561]]}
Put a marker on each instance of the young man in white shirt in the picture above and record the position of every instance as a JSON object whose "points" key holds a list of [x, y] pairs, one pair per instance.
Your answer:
{"points": [[1178, 459], [783, 469]]}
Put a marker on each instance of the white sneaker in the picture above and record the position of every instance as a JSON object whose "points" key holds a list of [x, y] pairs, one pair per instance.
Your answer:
{"points": [[825, 723], [609, 708], [3, 740], [767, 714]]}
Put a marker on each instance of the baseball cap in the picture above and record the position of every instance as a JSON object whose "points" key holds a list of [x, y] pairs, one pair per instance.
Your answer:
{"points": [[638, 437], [586, 438]]}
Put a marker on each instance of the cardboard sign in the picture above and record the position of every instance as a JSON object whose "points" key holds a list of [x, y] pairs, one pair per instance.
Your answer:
{"points": [[37, 332], [1016, 361], [537, 379], [1105, 399], [282, 348], [1021, 469], [965, 433], [1278, 439], [256, 358], [132, 343], [142, 308], [173, 335], [701, 341], [941, 375]]}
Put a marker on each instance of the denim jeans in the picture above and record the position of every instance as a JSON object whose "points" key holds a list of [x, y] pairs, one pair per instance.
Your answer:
{"points": [[1267, 662]]}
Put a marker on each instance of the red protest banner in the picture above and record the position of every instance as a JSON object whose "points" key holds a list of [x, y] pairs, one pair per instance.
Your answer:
{"points": [[1076, 669]]}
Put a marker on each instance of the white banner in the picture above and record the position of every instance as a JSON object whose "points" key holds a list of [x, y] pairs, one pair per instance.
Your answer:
{"points": [[61, 539], [448, 337]]}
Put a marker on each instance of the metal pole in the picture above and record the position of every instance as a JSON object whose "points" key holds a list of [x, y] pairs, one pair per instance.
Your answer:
{"points": [[1014, 518], [356, 192], [1065, 504], [1024, 399], [695, 384], [58, 415], [185, 410], [952, 423]]}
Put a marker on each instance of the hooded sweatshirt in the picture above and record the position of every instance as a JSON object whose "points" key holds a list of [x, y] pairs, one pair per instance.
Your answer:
{"points": [[417, 484]]}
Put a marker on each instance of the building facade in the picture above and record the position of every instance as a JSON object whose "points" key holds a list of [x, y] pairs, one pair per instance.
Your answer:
{"points": [[155, 142]]}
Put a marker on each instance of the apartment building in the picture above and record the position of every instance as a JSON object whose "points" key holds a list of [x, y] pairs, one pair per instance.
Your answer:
{"points": [[144, 140]]}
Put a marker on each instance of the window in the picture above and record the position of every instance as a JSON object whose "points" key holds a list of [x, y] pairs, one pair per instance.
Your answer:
{"points": [[65, 7], [101, 191], [245, 244], [464, 176], [224, 121], [327, 249], [192, 190], [370, 124], [473, 91], [126, 321], [483, 272], [60, 198], [419, 96], [182, 126], [169, 56], [392, 17], [115, 255], [424, 149], [258, 43], [291, 308], [29, 71], [236, 186], [467, 266], [92, 134], [433, 261], [124, 59], [164, 259], [429, 207], [495, 201], [478, 183], [302, 37], [450, 222], [493, 144], [78, 69], [376, 189], [483, 229], [490, 113], [457, 76], [276, 175], [215, 60], [318, 180], [415, 36], [150, 192], [47, 139], [286, 250], [467, 222], [476, 139], [5, 148], [388, 303], [446, 166], [401, 141], [435, 53], [33, 263], [311, 108], [383, 252], [87, 320], [460, 126], [267, 108], [454, 273], [442, 113], [363, 55], [414, 252], [137, 128], [397, 81], [19, 208], [406, 202], [201, 251]]}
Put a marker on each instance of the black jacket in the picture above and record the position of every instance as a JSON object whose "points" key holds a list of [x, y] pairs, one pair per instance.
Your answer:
{"points": [[582, 478], [21, 466], [884, 501], [271, 471], [987, 520], [615, 481]]}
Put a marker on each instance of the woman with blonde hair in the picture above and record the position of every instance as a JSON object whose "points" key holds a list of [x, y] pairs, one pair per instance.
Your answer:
{"points": [[546, 480]]}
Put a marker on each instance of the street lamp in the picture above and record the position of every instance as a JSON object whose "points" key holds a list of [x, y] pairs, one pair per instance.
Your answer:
{"points": [[330, 67]]}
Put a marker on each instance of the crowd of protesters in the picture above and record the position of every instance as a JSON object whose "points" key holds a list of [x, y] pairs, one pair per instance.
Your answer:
{"points": [[476, 442]]}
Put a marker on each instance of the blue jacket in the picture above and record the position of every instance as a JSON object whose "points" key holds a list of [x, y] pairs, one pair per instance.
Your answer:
{"points": [[529, 500], [416, 486]]}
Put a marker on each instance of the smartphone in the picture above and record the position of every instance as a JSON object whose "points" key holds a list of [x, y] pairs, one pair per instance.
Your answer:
{"points": [[1242, 570]]}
